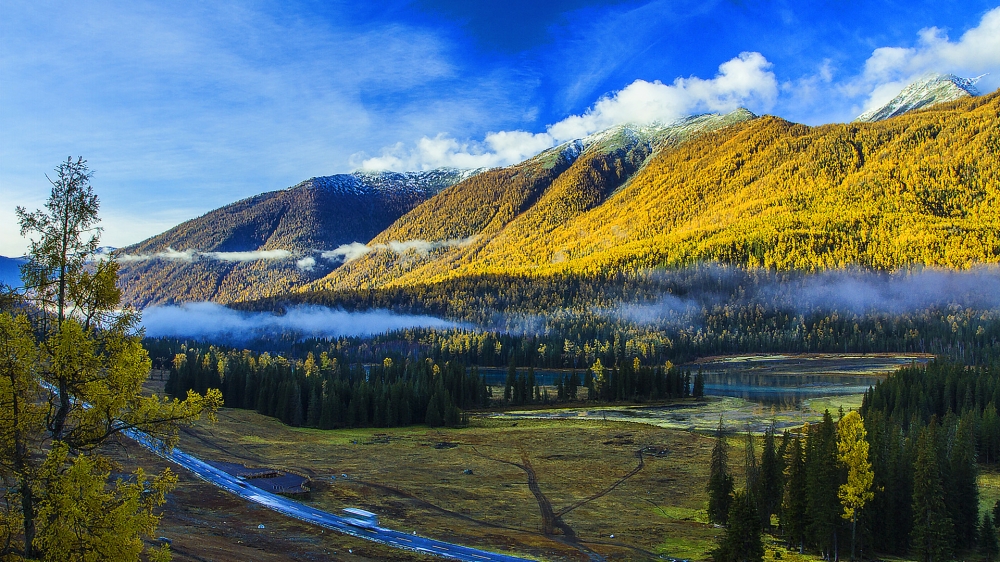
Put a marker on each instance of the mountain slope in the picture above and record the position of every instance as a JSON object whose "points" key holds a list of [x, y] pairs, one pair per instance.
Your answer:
{"points": [[272, 242], [923, 188], [926, 92], [502, 207], [10, 271]]}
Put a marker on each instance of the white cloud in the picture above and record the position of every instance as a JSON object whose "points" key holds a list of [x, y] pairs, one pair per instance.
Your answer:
{"points": [[190, 255], [307, 263], [185, 107], [354, 250], [890, 69], [347, 252], [497, 149], [744, 80]]}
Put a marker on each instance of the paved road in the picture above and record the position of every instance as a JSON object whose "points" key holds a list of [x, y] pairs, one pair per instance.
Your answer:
{"points": [[291, 508]]}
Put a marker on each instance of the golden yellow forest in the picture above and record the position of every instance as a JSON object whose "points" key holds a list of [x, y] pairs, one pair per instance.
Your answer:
{"points": [[923, 188]]}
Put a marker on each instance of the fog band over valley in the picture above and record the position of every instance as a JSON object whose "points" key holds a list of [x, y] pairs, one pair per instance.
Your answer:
{"points": [[204, 320], [844, 291]]}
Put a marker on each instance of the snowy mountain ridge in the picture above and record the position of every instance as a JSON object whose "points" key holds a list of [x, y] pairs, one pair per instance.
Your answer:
{"points": [[930, 90], [360, 182]]}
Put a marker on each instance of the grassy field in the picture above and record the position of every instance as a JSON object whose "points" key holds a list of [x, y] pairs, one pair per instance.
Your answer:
{"points": [[601, 495], [620, 483]]}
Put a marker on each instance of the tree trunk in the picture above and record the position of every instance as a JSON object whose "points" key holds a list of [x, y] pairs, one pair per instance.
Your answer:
{"points": [[854, 526], [28, 509]]}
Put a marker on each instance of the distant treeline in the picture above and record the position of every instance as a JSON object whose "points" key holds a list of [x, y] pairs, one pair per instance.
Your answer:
{"points": [[569, 321], [325, 393], [326, 390]]}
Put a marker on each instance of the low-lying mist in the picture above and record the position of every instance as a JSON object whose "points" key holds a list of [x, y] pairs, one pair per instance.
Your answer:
{"points": [[211, 321], [686, 295]]}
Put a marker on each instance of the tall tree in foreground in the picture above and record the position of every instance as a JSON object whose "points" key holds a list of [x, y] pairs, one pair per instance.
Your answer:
{"points": [[853, 449], [741, 541], [771, 481], [962, 490], [71, 381], [794, 508], [822, 486], [932, 527], [988, 546], [720, 482]]}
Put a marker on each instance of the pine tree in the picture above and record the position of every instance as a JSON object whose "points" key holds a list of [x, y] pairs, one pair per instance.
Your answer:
{"points": [[771, 485], [435, 417], [73, 367], [509, 384], [988, 546], [742, 539], [315, 407], [932, 527], [963, 491], [822, 484], [720, 482], [699, 385], [794, 509]]}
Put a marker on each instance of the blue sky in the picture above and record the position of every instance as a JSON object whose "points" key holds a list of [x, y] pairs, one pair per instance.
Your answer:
{"points": [[181, 107]]}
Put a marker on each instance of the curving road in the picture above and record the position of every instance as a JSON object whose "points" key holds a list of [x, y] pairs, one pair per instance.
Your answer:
{"points": [[291, 508]]}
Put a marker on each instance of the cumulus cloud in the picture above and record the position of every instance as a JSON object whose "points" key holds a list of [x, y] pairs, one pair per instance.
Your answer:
{"points": [[354, 250], [190, 255], [206, 320], [744, 80], [890, 69]]}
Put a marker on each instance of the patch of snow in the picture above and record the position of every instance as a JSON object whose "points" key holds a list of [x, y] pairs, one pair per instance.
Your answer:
{"points": [[928, 91]]}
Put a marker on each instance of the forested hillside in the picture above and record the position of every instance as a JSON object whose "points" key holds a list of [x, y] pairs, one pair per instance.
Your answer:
{"points": [[295, 225], [922, 188], [520, 204]]}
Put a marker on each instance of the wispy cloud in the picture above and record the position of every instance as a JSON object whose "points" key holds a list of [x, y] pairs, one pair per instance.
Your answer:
{"points": [[190, 255], [354, 250], [214, 321], [196, 105]]}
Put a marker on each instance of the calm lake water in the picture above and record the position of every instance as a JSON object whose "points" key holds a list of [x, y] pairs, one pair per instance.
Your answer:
{"points": [[782, 380]]}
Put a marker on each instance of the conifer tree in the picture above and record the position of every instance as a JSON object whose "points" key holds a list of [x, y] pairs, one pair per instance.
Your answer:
{"points": [[71, 381], [699, 385], [822, 484], [794, 509], [720, 482], [741, 541], [932, 527], [988, 546], [963, 490], [771, 483]]}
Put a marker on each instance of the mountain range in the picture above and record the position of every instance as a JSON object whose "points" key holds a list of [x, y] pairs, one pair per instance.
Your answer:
{"points": [[272, 242], [896, 188]]}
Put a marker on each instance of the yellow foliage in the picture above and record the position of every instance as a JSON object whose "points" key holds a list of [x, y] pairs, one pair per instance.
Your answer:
{"points": [[919, 189], [853, 449]]}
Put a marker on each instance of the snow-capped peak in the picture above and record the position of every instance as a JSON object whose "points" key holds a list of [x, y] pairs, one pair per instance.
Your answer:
{"points": [[929, 90]]}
